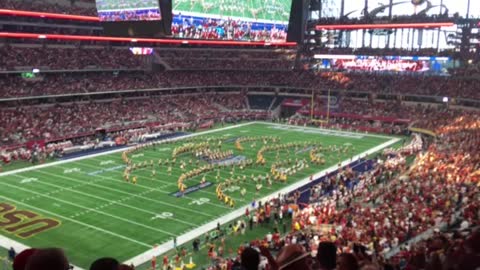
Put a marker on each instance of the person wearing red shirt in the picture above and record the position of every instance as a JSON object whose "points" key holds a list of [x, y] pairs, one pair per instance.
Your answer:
{"points": [[165, 262]]}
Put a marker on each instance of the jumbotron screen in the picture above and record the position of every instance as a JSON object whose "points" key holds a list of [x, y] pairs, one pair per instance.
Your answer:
{"points": [[128, 10], [242, 20], [416, 64]]}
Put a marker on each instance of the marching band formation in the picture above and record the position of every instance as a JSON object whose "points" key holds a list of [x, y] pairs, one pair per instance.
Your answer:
{"points": [[209, 150]]}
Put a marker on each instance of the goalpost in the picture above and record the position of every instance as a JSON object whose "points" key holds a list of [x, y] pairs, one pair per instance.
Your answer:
{"points": [[320, 121]]}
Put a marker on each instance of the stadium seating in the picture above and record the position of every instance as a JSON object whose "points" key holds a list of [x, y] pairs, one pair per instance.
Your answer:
{"points": [[452, 87], [415, 209], [63, 121], [66, 58], [66, 7]]}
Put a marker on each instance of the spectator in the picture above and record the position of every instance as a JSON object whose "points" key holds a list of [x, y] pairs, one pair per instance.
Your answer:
{"points": [[250, 259], [48, 259], [327, 255], [22, 258], [105, 264], [11, 254]]}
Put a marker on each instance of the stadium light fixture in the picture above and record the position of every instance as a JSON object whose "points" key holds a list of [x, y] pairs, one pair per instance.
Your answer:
{"points": [[143, 40], [383, 26]]}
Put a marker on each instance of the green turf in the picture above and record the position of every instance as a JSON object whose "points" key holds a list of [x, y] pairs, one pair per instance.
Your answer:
{"points": [[102, 215], [106, 5], [273, 10], [5, 263]]}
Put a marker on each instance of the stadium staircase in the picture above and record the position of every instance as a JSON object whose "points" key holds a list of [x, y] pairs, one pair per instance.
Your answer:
{"points": [[271, 104], [247, 103], [159, 60], [220, 107]]}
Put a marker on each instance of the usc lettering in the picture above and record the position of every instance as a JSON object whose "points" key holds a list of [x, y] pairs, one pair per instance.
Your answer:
{"points": [[24, 223]]}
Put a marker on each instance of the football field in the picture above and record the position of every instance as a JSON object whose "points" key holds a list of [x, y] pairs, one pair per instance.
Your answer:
{"points": [[272, 10], [86, 207]]}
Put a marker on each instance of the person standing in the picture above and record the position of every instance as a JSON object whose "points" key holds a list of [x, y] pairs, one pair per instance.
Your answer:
{"points": [[11, 254], [154, 263]]}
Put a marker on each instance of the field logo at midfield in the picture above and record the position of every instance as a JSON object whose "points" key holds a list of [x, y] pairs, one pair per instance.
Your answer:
{"points": [[24, 223], [229, 161], [191, 189], [72, 170]]}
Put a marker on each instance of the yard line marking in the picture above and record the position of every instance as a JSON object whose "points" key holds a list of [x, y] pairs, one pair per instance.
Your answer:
{"points": [[164, 192], [110, 202], [78, 222], [127, 193], [91, 210]]}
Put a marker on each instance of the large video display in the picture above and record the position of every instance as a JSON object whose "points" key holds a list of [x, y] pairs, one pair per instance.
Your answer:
{"points": [[128, 10], [415, 64], [243, 20]]}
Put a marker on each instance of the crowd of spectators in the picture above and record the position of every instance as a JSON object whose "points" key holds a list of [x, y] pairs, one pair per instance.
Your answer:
{"points": [[72, 57], [68, 58], [64, 7], [230, 64], [64, 120], [224, 73], [391, 117], [69, 83]]}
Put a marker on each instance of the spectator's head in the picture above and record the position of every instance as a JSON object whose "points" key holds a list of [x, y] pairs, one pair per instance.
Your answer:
{"points": [[105, 264], [250, 259], [346, 261], [294, 257], [327, 255], [48, 259], [22, 258]]}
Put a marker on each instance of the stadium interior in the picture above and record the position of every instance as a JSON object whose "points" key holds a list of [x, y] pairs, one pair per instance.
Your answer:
{"points": [[240, 135]]}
